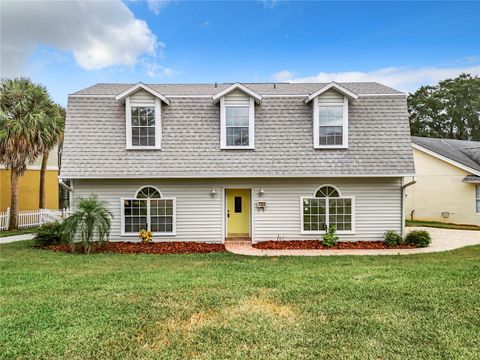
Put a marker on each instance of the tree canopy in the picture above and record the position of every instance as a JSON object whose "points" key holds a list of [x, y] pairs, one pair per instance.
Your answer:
{"points": [[450, 109]]}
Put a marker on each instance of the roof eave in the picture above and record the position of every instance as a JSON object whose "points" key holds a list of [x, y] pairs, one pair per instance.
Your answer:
{"points": [[123, 95], [333, 85], [237, 86]]}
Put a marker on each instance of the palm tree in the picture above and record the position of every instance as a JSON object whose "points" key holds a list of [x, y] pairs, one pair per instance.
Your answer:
{"points": [[23, 129], [57, 123], [90, 221]]}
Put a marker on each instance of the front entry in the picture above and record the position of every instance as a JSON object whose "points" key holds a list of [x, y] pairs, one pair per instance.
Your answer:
{"points": [[238, 212]]}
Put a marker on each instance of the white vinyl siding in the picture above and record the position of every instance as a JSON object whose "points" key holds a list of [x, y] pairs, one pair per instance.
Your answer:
{"points": [[237, 97], [199, 217], [142, 97], [331, 96], [237, 121]]}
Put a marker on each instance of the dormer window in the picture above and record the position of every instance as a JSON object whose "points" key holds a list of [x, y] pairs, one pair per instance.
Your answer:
{"points": [[143, 126], [237, 117], [143, 108], [332, 124], [330, 116]]}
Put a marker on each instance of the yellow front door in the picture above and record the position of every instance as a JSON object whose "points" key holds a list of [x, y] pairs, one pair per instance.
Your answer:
{"points": [[238, 212]]}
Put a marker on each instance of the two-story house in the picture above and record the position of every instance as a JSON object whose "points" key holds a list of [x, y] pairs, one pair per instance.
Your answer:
{"points": [[205, 162]]}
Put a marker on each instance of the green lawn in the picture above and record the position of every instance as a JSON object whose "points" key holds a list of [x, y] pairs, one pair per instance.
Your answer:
{"points": [[437, 224], [224, 306]]}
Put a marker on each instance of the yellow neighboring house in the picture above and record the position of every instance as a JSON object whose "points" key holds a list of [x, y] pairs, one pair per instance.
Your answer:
{"points": [[29, 183], [448, 181]]}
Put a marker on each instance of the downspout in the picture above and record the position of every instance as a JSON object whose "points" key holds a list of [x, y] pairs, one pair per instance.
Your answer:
{"points": [[402, 200], [70, 192]]}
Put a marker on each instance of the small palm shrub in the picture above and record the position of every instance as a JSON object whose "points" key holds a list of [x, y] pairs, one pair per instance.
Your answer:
{"points": [[49, 234], [391, 238], [90, 222], [330, 238], [419, 238]]}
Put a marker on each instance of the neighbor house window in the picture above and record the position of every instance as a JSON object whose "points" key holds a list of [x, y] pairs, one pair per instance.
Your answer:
{"points": [[237, 122], [478, 199], [327, 208], [148, 210], [331, 124], [143, 125]]}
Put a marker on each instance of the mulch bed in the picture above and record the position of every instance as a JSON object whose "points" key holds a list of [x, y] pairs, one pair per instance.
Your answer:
{"points": [[124, 247], [316, 244]]}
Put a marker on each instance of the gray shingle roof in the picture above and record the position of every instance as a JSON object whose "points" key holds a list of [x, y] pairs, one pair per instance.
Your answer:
{"points": [[260, 88], [379, 139], [464, 152]]}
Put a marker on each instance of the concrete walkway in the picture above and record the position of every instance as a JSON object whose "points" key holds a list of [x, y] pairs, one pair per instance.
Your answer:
{"points": [[442, 240], [13, 238]]}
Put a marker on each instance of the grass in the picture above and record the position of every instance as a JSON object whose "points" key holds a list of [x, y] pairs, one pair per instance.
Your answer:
{"points": [[5, 233], [225, 306], [437, 224]]}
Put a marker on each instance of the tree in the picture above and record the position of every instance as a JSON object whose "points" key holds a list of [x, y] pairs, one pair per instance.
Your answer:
{"points": [[450, 109], [24, 129], [56, 116], [90, 220]]}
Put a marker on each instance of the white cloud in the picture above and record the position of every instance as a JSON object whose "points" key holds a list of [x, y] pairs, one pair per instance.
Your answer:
{"points": [[283, 75], [156, 6], [269, 4], [156, 70], [99, 34], [404, 79]]}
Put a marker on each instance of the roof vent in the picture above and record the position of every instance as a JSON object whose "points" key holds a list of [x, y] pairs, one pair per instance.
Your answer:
{"points": [[216, 84], [274, 85]]}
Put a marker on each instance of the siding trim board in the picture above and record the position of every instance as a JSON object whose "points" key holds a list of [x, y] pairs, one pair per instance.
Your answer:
{"points": [[201, 217]]}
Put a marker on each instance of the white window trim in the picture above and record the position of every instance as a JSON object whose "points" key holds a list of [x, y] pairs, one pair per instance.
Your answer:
{"points": [[223, 126], [158, 125], [316, 124], [162, 234], [322, 232]]}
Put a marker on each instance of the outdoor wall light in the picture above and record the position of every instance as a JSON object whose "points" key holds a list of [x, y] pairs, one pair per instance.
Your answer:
{"points": [[213, 193], [261, 192]]}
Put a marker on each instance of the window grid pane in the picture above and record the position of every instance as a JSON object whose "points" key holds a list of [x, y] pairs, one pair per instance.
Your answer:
{"points": [[135, 213], [143, 126], [314, 214], [331, 125], [237, 125], [161, 216], [340, 213]]}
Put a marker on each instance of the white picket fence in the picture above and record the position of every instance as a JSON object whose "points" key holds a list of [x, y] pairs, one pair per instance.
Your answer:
{"points": [[32, 218], [4, 219]]}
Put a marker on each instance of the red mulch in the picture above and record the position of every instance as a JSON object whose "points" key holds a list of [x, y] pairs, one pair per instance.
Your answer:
{"points": [[316, 244], [123, 247]]}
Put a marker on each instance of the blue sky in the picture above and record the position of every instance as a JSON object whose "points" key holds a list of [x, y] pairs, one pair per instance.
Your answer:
{"points": [[76, 44]]}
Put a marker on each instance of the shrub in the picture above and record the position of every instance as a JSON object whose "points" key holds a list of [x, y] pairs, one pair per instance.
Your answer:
{"points": [[391, 238], [419, 238], [49, 234], [146, 236], [330, 238], [91, 221]]}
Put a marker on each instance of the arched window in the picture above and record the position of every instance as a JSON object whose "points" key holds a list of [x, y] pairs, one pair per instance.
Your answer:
{"points": [[148, 192], [327, 208], [148, 210], [327, 191]]}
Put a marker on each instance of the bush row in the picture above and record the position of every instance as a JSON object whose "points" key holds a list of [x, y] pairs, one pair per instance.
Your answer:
{"points": [[419, 238]]}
